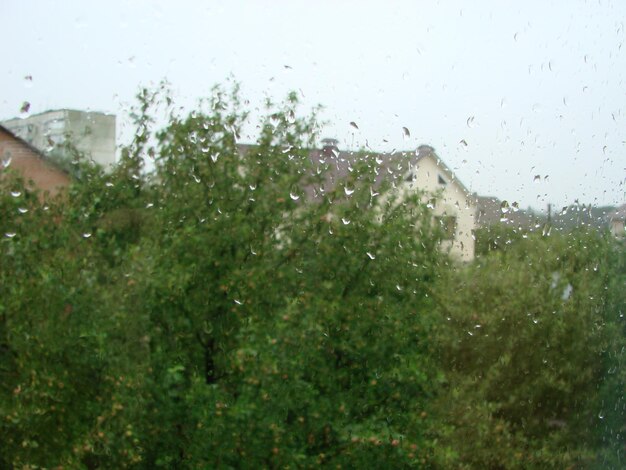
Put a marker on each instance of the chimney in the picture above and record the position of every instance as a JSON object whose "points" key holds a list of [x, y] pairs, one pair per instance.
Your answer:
{"points": [[424, 150]]}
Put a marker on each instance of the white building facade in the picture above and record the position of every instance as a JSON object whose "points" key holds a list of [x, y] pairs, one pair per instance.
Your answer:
{"points": [[92, 133]]}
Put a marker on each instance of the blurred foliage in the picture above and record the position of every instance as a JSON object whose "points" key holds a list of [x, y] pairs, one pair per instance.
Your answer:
{"points": [[532, 349], [206, 315]]}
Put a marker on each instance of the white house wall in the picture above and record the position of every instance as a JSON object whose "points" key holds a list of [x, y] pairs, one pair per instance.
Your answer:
{"points": [[453, 201]]}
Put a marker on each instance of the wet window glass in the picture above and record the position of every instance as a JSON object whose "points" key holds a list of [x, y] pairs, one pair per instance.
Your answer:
{"points": [[312, 234]]}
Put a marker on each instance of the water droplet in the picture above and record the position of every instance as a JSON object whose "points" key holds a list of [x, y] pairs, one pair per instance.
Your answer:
{"points": [[16, 193], [353, 124], [10, 234], [252, 187], [348, 191], [601, 415], [6, 162], [214, 156], [25, 107], [470, 121], [293, 196], [398, 287], [86, 235], [370, 256], [405, 133], [345, 221], [149, 205], [537, 178], [22, 210], [238, 302], [463, 142]]}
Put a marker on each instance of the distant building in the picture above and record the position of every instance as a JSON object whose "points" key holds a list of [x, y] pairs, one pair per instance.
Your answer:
{"points": [[30, 163], [492, 211], [617, 220], [90, 132]]}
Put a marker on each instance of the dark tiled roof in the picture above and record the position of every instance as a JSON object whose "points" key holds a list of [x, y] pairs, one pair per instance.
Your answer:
{"points": [[618, 214], [389, 167]]}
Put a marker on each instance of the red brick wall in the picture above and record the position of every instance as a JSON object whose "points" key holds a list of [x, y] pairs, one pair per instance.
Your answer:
{"points": [[32, 165]]}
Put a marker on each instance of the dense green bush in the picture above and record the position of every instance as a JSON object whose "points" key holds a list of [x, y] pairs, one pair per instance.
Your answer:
{"points": [[531, 334]]}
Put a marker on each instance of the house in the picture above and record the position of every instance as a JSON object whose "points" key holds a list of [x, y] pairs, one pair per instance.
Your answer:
{"points": [[92, 133], [453, 206], [617, 219], [18, 155]]}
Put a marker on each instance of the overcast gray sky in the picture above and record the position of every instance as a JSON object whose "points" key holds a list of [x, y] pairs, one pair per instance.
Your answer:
{"points": [[532, 87]]}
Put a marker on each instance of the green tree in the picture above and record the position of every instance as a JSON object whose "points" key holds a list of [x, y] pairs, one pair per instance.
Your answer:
{"points": [[274, 329], [210, 314]]}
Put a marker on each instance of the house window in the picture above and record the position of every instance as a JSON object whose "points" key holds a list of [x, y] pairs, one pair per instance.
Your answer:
{"points": [[448, 226]]}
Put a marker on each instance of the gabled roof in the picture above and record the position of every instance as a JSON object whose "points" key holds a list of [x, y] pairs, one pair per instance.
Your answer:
{"points": [[392, 166], [427, 151]]}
